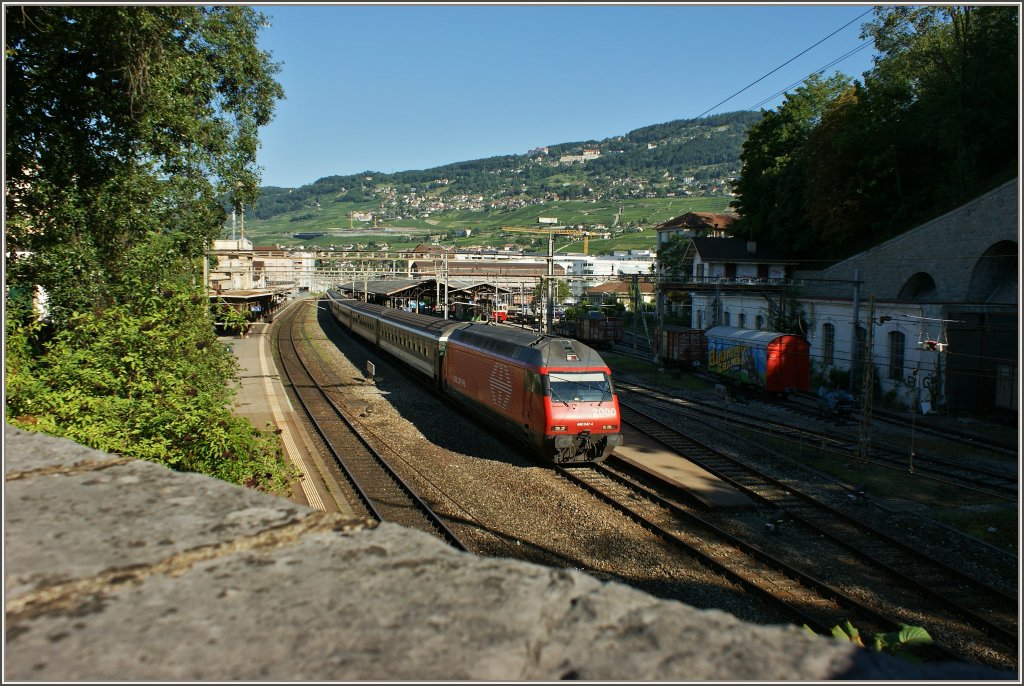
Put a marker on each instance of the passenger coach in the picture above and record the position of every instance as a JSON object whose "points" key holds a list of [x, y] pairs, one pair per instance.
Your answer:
{"points": [[554, 395]]}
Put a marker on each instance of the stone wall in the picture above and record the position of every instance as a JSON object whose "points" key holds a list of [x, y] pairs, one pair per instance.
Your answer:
{"points": [[120, 570], [947, 248]]}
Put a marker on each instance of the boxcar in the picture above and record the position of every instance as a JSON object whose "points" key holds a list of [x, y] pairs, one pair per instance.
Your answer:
{"points": [[682, 346], [565, 327], [599, 331], [771, 361]]}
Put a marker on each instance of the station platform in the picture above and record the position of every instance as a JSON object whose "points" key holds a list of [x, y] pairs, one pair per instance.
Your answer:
{"points": [[261, 398], [654, 458]]}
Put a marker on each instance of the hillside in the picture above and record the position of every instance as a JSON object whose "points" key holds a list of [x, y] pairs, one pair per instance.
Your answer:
{"points": [[635, 180]]}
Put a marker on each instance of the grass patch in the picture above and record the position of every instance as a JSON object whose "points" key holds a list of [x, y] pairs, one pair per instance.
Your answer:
{"points": [[996, 525], [648, 371], [972, 513]]}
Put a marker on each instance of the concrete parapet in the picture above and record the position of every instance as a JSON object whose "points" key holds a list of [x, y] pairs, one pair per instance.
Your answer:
{"points": [[121, 570]]}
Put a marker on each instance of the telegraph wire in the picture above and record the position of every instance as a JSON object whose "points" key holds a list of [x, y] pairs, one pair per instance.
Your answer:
{"points": [[785, 90], [857, 18]]}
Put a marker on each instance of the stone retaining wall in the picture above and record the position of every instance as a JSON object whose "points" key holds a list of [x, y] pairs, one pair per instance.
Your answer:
{"points": [[121, 570]]}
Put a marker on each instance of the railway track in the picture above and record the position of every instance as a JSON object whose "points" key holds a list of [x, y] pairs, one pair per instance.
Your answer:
{"points": [[982, 615], [922, 428], [978, 478], [808, 600], [379, 488]]}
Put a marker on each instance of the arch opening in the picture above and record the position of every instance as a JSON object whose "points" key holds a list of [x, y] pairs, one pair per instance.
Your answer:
{"points": [[995, 277], [920, 286]]}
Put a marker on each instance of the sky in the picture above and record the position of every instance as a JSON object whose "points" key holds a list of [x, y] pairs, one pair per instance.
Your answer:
{"points": [[399, 87]]}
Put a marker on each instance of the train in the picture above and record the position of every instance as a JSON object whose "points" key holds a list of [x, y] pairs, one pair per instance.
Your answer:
{"points": [[553, 395], [764, 361], [769, 361], [593, 329], [681, 346]]}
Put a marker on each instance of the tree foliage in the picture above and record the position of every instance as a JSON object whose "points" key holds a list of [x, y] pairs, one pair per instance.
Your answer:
{"points": [[143, 378], [843, 165], [672, 255], [126, 126], [123, 122]]}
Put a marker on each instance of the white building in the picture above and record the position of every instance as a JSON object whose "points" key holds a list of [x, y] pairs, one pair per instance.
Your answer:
{"points": [[586, 271], [935, 311], [233, 270]]}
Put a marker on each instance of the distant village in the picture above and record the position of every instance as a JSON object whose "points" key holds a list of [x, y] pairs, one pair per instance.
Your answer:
{"points": [[428, 200]]}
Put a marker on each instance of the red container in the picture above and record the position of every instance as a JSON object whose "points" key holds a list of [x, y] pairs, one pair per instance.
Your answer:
{"points": [[775, 362]]}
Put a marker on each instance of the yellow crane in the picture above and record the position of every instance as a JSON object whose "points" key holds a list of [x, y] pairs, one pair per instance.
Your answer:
{"points": [[575, 233]]}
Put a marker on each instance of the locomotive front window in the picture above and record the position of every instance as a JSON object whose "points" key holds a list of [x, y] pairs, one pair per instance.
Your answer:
{"points": [[578, 387]]}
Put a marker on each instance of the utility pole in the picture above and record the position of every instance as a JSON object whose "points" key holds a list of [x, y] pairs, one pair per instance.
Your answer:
{"points": [[551, 272], [867, 391], [445, 267], [636, 305], [856, 317]]}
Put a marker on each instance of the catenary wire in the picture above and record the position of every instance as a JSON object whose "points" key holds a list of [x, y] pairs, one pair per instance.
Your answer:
{"points": [[857, 18]]}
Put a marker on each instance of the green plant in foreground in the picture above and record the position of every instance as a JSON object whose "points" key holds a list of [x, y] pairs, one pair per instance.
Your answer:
{"points": [[144, 378], [900, 643]]}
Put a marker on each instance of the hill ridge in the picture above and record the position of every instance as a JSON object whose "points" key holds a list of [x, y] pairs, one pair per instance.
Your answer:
{"points": [[681, 158]]}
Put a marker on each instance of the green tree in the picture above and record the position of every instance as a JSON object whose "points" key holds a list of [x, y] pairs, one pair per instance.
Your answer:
{"points": [[127, 129], [841, 166], [125, 122], [142, 378], [671, 256], [950, 74], [770, 190], [560, 292]]}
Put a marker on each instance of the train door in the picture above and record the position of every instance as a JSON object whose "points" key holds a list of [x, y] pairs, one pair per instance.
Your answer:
{"points": [[533, 405]]}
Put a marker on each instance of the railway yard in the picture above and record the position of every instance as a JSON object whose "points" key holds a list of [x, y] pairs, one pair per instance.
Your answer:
{"points": [[821, 526]]}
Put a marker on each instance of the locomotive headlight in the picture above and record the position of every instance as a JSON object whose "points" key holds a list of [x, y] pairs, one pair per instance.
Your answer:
{"points": [[558, 428], [610, 427]]}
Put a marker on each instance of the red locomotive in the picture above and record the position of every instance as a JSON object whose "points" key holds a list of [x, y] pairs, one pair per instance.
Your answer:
{"points": [[552, 394]]}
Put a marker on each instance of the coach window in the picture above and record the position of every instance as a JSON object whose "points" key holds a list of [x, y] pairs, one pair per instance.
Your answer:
{"points": [[897, 344], [828, 344]]}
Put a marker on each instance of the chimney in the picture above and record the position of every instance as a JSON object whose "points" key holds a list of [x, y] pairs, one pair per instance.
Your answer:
{"points": [[752, 247]]}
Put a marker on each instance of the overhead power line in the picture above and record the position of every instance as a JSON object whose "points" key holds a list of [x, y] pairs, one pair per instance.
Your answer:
{"points": [[834, 62], [857, 18]]}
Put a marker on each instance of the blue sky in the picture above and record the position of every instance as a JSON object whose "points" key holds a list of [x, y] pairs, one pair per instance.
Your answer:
{"points": [[391, 88]]}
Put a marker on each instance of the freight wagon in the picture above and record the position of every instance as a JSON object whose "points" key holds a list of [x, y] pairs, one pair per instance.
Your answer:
{"points": [[598, 330], [682, 346], [768, 361]]}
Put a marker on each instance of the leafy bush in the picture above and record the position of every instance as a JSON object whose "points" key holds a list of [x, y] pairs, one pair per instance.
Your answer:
{"points": [[145, 379], [901, 643]]}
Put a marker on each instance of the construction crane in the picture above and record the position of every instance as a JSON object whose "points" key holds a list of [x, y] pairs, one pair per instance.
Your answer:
{"points": [[575, 233]]}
